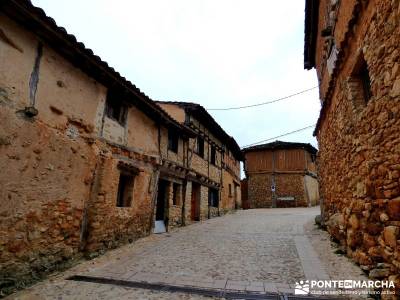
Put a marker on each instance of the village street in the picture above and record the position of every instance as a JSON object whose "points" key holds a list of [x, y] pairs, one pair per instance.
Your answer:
{"points": [[260, 250]]}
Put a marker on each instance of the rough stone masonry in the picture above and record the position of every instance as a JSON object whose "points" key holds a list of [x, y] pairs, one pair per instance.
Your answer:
{"points": [[354, 46]]}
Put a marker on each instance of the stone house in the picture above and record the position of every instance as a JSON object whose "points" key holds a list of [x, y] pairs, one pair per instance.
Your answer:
{"points": [[213, 161], [280, 174], [89, 161], [354, 47]]}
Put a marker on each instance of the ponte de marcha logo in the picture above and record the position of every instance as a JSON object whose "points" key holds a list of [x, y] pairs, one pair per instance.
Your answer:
{"points": [[302, 287], [333, 287]]}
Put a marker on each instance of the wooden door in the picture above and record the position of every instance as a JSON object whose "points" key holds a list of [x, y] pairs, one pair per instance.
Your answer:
{"points": [[195, 202]]}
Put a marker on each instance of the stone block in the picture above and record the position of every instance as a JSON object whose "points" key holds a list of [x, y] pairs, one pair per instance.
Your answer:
{"points": [[391, 234], [394, 209]]}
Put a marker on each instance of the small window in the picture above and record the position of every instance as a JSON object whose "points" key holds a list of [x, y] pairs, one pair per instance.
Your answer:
{"points": [[230, 190], [173, 141], [176, 197], [359, 84], [365, 81], [200, 146], [313, 157], [125, 189], [213, 197], [116, 110], [213, 155]]}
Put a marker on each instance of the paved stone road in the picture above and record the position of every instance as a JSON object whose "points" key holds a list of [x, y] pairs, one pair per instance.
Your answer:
{"points": [[264, 250]]}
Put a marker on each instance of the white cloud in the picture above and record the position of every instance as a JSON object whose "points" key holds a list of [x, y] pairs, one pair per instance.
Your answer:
{"points": [[217, 53]]}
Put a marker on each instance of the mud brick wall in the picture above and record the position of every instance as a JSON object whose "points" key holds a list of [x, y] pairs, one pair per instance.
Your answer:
{"points": [[40, 215], [359, 157], [109, 225]]}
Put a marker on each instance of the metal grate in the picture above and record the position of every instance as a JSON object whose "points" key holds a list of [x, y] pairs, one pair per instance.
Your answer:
{"points": [[191, 290]]}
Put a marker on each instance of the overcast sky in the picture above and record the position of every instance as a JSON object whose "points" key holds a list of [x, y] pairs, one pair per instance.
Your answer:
{"points": [[218, 53]]}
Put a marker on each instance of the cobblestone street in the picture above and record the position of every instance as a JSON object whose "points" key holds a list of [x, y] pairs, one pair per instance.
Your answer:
{"points": [[263, 250]]}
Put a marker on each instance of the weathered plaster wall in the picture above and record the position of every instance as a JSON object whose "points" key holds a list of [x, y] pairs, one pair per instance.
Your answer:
{"points": [[142, 132], [58, 195], [174, 111], [13, 81], [66, 97], [40, 214], [227, 202], [312, 189], [109, 225]]}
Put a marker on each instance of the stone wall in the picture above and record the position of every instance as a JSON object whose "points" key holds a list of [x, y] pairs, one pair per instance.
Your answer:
{"points": [[109, 225], [259, 190], [187, 212], [228, 198], [225, 171], [286, 185], [204, 203], [359, 142]]}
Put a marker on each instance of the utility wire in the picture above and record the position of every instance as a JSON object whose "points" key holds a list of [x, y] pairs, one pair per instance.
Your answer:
{"points": [[285, 134], [265, 103]]}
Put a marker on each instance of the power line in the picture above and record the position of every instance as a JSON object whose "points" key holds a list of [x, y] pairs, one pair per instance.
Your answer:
{"points": [[265, 103], [285, 134]]}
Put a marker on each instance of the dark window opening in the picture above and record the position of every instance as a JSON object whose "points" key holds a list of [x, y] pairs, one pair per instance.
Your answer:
{"points": [[200, 146], [230, 190], [365, 81], [176, 194], [173, 140], [125, 190], [313, 157], [213, 197], [361, 83], [213, 155], [115, 109]]}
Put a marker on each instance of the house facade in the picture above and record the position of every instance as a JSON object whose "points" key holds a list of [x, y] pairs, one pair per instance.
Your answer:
{"points": [[280, 174], [213, 162], [354, 47], [89, 161]]}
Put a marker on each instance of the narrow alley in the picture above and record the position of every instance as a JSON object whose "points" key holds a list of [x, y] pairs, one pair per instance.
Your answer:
{"points": [[254, 252]]}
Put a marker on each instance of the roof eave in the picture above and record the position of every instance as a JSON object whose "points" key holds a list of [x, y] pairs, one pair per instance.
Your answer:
{"points": [[310, 32]]}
